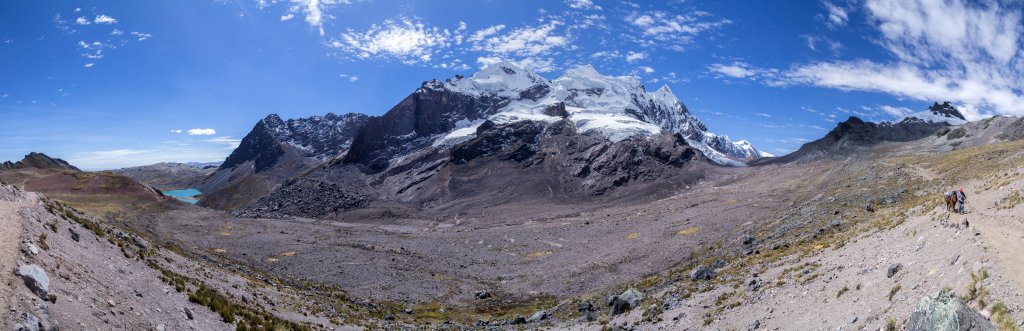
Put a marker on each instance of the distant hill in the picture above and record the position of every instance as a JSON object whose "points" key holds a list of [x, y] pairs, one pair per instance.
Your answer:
{"points": [[170, 176]]}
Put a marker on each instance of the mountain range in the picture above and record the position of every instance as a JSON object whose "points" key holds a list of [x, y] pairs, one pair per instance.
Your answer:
{"points": [[501, 111]]}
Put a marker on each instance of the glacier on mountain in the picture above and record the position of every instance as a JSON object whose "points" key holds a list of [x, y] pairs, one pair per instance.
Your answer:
{"points": [[616, 107]]}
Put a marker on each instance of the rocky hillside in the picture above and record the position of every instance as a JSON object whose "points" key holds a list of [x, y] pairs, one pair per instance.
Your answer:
{"points": [[850, 137], [38, 161], [168, 175], [277, 150]]}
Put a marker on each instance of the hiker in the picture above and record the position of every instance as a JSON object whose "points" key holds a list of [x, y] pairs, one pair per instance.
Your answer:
{"points": [[961, 197]]}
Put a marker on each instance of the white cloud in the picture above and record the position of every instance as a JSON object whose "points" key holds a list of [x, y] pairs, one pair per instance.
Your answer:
{"points": [[635, 56], [837, 15], [88, 65], [944, 50], [116, 32], [312, 9], [535, 64], [351, 78], [671, 30], [734, 70], [231, 143], [525, 41], [762, 114], [142, 36], [406, 40], [104, 19], [177, 131], [82, 21], [582, 4], [202, 132], [647, 70], [895, 111], [489, 31]]}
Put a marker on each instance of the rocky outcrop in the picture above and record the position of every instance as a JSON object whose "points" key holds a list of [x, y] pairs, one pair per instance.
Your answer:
{"points": [[36, 280], [944, 311]]}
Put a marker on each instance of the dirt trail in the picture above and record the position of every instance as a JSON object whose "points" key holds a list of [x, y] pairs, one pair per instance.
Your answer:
{"points": [[1002, 229], [10, 237]]}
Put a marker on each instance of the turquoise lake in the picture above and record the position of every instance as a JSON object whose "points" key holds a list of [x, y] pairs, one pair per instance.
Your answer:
{"points": [[188, 195]]}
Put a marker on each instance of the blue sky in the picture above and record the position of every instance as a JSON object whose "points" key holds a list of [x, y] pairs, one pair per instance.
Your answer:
{"points": [[108, 84]]}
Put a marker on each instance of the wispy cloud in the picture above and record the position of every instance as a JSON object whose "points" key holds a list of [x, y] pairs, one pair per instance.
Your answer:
{"points": [[635, 56], [968, 53], [104, 19], [582, 4], [407, 40], [673, 31], [201, 132]]}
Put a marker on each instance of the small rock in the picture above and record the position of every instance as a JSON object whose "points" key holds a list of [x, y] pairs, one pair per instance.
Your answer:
{"points": [[52, 298], [74, 234], [29, 323], [407, 311], [893, 269], [747, 240], [869, 208], [537, 317], [110, 303], [35, 278], [720, 263], [160, 327], [853, 319], [586, 306], [702, 273], [32, 249], [480, 295], [389, 317], [953, 260], [188, 314], [754, 325]]}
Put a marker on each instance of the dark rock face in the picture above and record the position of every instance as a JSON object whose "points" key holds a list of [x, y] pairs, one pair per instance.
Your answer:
{"points": [[946, 109], [408, 126], [316, 137], [854, 133], [944, 311], [38, 161], [258, 146], [275, 151]]}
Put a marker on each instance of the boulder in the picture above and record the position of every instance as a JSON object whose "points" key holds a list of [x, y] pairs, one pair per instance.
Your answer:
{"points": [[36, 280], [480, 295], [624, 302], [702, 272], [944, 311]]}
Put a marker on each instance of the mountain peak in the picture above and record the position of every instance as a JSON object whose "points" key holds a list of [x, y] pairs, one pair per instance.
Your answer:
{"points": [[937, 113], [38, 161]]}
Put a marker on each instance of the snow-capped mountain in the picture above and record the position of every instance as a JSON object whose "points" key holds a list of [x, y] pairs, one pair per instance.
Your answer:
{"points": [[937, 113], [614, 107]]}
